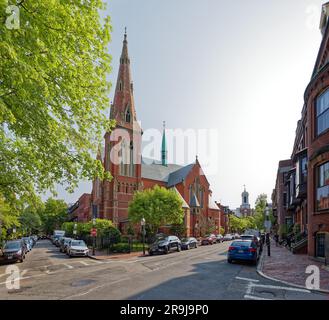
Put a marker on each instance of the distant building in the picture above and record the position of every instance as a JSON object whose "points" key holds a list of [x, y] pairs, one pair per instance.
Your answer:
{"points": [[245, 209]]}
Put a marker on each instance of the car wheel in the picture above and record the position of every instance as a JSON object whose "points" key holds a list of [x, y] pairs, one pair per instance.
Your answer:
{"points": [[179, 248], [229, 260], [195, 246], [21, 259], [166, 250], [188, 247]]}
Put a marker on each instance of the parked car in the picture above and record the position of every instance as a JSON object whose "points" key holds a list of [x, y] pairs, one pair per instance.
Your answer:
{"points": [[14, 251], [57, 241], [251, 237], [189, 243], [64, 243], [237, 236], [243, 250], [209, 239], [77, 248], [28, 242], [228, 237], [165, 245], [219, 238]]}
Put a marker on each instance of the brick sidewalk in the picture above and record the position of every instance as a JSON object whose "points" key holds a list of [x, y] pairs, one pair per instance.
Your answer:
{"points": [[285, 266]]}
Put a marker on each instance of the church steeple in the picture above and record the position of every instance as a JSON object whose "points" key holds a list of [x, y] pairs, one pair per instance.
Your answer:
{"points": [[164, 150], [123, 107]]}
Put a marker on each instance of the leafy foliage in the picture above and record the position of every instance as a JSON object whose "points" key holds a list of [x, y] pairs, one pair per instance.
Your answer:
{"points": [[53, 95], [54, 215], [158, 206]]}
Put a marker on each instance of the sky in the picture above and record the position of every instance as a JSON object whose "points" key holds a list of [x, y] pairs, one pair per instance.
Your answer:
{"points": [[237, 67]]}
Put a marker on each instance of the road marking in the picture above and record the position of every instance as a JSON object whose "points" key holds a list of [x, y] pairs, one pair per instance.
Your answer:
{"points": [[247, 279], [254, 297], [94, 288], [279, 288], [84, 263], [69, 266]]}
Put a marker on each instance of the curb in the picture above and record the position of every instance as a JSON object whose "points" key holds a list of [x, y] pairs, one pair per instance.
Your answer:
{"points": [[262, 274]]}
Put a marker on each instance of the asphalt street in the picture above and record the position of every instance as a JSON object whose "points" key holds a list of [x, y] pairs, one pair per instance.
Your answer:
{"points": [[201, 273]]}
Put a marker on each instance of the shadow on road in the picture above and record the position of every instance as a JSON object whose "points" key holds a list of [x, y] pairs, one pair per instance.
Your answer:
{"points": [[207, 280]]}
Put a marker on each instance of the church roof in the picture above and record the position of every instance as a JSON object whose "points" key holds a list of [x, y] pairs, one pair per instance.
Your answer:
{"points": [[179, 175], [194, 202], [172, 174], [212, 204], [185, 205], [154, 170]]}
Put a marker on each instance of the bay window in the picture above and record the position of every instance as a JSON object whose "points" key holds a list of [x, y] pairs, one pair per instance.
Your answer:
{"points": [[323, 187], [322, 112]]}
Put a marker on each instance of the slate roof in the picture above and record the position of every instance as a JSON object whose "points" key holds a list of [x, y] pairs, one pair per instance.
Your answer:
{"points": [[212, 204], [194, 202], [172, 174], [185, 205]]}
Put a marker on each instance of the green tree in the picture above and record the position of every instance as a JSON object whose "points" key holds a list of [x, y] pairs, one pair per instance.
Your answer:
{"points": [[30, 220], [259, 215], [53, 95], [9, 218], [54, 215], [158, 206]]}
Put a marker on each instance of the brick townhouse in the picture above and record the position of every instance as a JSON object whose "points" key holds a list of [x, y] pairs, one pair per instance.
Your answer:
{"points": [[307, 182]]}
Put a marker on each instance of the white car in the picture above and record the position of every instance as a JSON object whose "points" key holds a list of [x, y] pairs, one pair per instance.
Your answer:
{"points": [[77, 248], [228, 237]]}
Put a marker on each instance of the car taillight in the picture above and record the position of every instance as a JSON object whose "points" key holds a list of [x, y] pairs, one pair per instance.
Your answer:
{"points": [[231, 248], [252, 250]]}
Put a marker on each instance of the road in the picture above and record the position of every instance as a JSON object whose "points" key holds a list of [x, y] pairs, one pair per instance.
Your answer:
{"points": [[201, 273]]}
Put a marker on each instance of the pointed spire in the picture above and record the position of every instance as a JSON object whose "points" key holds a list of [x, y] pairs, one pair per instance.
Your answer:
{"points": [[164, 150], [124, 55], [123, 102]]}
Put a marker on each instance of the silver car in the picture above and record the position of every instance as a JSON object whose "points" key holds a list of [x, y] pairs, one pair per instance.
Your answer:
{"points": [[77, 248]]}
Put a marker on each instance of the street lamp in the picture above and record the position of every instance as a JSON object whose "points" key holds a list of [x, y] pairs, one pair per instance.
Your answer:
{"points": [[143, 234], [75, 230], [94, 240]]}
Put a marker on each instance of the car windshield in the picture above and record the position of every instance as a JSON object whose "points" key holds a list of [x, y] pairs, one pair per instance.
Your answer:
{"points": [[241, 244], [12, 245], [79, 243], [161, 239]]}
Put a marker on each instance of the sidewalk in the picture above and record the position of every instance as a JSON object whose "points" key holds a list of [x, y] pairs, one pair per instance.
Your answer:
{"points": [[102, 255], [284, 266]]}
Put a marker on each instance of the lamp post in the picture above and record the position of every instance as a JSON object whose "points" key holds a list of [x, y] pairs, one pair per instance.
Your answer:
{"points": [[143, 234], [268, 229], [94, 240], [75, 230]]}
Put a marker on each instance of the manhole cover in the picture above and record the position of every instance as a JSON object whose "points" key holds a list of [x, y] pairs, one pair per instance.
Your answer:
{"points": [[82, 283]]}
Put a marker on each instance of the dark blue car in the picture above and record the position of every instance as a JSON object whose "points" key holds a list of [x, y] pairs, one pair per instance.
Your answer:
{"points": [[247, 250]]}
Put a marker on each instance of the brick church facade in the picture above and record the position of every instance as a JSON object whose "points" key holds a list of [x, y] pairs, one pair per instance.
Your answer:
{"points": [[121, 156]]}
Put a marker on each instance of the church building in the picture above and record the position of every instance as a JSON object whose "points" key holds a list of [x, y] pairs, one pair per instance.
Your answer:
{"points": [[122, 156]]}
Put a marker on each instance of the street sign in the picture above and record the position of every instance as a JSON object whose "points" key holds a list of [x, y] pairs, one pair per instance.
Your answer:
{"points": [[93, 232]]}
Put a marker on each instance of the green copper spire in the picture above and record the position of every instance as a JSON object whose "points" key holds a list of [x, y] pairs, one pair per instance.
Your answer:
{"points": [[164, 150]]}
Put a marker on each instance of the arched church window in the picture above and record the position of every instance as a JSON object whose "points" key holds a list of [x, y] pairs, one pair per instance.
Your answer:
{"points": [[128, 116]]}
